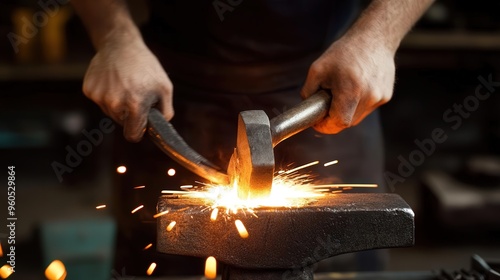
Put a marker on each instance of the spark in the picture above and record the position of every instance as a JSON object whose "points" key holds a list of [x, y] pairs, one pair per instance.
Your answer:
{"points": [[171, 225], [301, 167], [331, 163], [171, 172], [241, 229], [137, 209], [100, 206], [186, 187], [55, 271], [211, 268], [173, 192], [1, 250], [350, 186], [148, 246], [213, 215], [121, 169], [151, 268], [139, 187], [160, 214], [5, 271]]}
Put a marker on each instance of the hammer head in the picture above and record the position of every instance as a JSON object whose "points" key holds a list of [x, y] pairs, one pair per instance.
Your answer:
{"points": [[251, 166]]}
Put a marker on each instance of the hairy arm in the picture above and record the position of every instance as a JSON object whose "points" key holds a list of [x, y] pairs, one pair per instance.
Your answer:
{"points": [[359, 67], [106, 20], [124, 78]]}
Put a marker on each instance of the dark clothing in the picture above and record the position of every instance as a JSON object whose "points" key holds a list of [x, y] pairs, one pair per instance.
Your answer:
{"points": [[260, 46]]}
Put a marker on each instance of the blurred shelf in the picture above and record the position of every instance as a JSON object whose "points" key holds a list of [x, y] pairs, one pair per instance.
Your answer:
{"points": [[34, 72], [452, 40]]}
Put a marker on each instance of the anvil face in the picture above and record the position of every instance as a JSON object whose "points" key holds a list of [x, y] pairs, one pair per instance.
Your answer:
{"points": [[286, 238]]}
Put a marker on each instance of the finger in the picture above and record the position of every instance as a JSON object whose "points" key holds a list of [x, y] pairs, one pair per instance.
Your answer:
{"points": [[312, 83], [165, 103], [166, 108], [363, 111], [340, 115], [134, 123]]}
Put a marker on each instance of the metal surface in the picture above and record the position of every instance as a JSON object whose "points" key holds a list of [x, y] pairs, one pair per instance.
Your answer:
{"points": [[171, 143], [304, 115], [252, 163], [285, 241]]}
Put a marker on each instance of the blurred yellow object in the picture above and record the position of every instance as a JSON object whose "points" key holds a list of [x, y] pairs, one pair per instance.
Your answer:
{"points": [[56, 271], [25, 50], [5, 271], [53, 36]]}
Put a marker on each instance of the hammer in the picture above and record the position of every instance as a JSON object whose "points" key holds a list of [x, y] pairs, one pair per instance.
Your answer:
{"points": [[251, 167]]}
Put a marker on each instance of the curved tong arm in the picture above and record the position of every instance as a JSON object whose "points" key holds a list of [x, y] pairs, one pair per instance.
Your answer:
{"points": [[171, 143]]}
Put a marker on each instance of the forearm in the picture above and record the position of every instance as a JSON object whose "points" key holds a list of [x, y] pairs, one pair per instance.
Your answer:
{"points": [[388, 21], [107, 20]]}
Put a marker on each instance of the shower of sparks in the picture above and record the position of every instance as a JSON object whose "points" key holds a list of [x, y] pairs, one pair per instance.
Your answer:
{"points": [[331, 163], [137, 209], [160, 214], [241, 229], [121, 169], [301, 167], [213, 215], [171, 172], [171, 225], [151, 269], [5, 271], [100, 206], [288, 190], [139, 187], [211, 268], [55, 271], [148, 246]]}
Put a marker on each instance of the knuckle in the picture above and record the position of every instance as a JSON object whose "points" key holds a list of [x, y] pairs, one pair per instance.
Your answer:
{"points": [[343, 122], [316, 68], [169, 114]]}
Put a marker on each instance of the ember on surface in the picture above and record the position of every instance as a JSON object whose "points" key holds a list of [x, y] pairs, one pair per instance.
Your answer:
{"points": [[171, 226], [241, 229]]}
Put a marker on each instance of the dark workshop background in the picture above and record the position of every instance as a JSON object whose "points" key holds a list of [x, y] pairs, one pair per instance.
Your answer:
{"points": [[454, 188]]}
